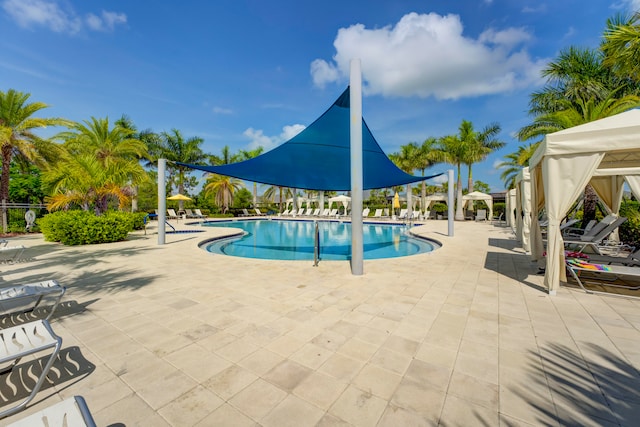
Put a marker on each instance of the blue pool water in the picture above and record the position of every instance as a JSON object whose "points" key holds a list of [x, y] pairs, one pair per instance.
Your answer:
{"points": [[293, 240]]}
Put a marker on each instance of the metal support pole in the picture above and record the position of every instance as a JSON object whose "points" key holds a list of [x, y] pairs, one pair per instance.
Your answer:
{"points": [[355, 103], [450, 202], [162, 201]]}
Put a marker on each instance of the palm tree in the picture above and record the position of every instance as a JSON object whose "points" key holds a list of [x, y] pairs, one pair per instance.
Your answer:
{"points": [[515, 162], [621, 46], [115, 148], [480, 144], [408, 159], [223, 188], [247, 155], [83, 179], [425, 159], [16, 135], [148, 138], [173, 147], [453, 150]]}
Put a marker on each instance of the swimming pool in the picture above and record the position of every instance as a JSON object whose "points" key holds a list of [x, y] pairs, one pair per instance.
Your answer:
{"points": [[293, 240]]}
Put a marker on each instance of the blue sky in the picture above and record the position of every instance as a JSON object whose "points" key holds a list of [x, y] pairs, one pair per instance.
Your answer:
{"points": [[249, 73]]}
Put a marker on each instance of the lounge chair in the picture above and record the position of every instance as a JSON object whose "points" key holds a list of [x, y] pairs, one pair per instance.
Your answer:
{"points": [[26, 298], [333, 212], [190, 213], [199, 214], [605, 275], [20, 341], [308, 212], [365, 212], [171, 214], [403, 214], [316, 212], [632, 258], [325, 212], [70, 412], [285, 213], [588, 234], [416, 215], [595, 242], [258, 212], [377, 213], [245, 212], [16, 251], [481, 215]]}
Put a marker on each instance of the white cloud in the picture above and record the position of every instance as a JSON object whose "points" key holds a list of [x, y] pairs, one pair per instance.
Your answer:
{"points": [[106, 22], [632, 5], [259, 139], [428, 55], [221, 110], [52, 15], [441, 179]]}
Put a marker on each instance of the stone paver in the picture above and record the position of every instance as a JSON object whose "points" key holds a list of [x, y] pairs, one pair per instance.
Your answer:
{"points": [[465, 335]]}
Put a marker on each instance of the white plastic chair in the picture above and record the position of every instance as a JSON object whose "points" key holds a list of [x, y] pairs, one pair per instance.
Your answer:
{"points": [[28, 297], [72, 412], [17, 251], [23, 340]]}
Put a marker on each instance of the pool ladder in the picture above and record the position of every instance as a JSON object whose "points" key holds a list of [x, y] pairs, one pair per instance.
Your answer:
{"points": [[316, 244]]}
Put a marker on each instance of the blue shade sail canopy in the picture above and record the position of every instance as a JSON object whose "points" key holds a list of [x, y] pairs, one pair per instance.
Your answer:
{"points": [[318, 158]]}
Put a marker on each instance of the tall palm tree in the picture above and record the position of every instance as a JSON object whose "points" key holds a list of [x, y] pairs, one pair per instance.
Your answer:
{"points": [[621, 45], [480, 144], [247, 155], [16, 134], [409, 158], [175, 148], [223, 189], [425, 159], [453, 150]]}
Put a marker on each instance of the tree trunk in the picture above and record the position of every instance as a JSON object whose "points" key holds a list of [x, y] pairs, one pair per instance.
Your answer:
{"points": [[134, 199], [589, 207], [255, 195], [459, 214], [470, 181], [4, 184]]}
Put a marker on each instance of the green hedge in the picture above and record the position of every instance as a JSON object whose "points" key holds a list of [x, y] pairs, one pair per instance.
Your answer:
{"points": [[85, 228], [630, 229]]}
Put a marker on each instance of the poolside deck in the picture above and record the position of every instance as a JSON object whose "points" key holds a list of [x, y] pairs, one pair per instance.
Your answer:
{"points": [[171, 335]]}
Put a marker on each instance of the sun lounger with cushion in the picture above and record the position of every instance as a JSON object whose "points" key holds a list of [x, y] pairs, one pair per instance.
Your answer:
{"points": [[594, 242], [20, 341], [606, 275], [365, 212], [258, 212], [199, 214], [171, 214], [316, 212], [28, 297], [72, 412]]}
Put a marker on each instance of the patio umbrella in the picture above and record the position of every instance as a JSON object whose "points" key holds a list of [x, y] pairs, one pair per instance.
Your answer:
{"points": [[396, 201], [179, 197]]}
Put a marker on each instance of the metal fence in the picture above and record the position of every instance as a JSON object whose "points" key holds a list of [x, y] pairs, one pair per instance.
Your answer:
{"points": [[13, 215]]}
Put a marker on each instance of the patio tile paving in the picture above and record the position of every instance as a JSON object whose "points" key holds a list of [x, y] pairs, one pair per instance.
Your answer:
{"points": [[173, 335]]}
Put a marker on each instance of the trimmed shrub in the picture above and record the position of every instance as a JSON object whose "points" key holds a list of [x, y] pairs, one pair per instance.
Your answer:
{"points": [[439, 208], [85, 228], [630, 229]]}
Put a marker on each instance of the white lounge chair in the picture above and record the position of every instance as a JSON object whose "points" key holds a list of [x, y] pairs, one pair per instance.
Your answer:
{"points": [[20, 341], [285, 213], [325, 212], [300, 212], [6, 250], [199, 214], [28, 297], [308, 212], [190, 213], [365, 212], [333, 212], [377, 213], [481, 215], [316, 212], [72, 412], [416, 214], [403, 214], [258, 212], [171, 214]]}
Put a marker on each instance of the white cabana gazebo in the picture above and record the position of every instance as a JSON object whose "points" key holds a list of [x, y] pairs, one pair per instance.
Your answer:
{"points": [[566, 161], [523, 208], [431, 199], [511, 207], [345, 200], [476, 196]]}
